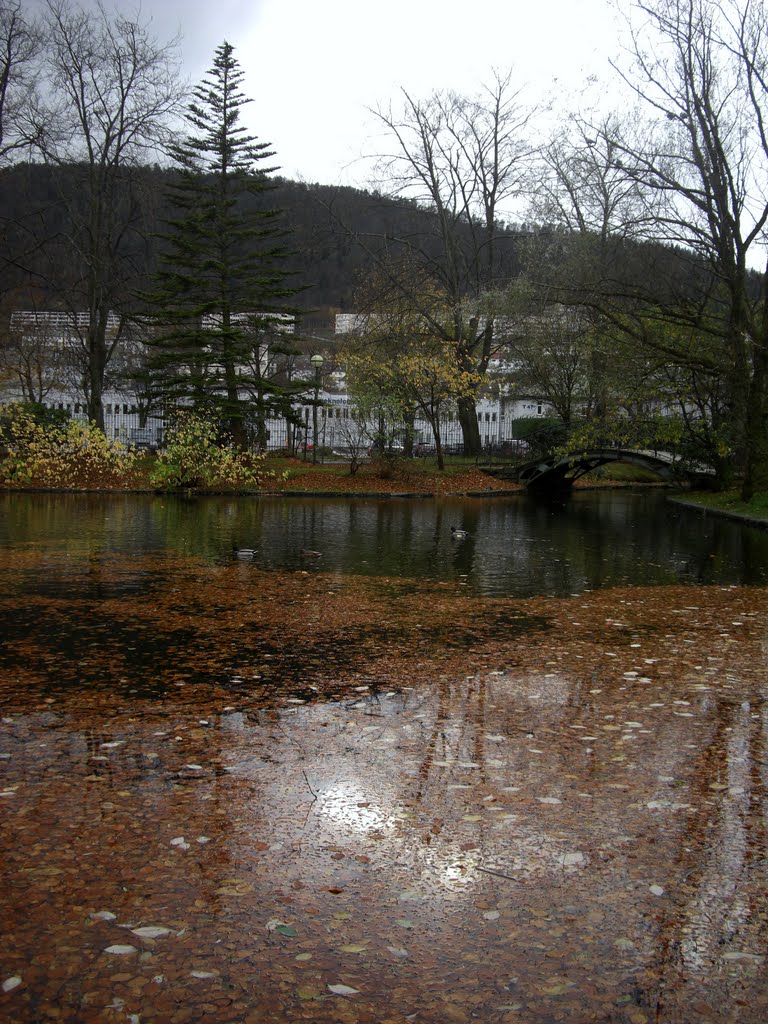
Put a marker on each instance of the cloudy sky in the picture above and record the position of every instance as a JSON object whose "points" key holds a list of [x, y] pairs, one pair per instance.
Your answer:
{"points": [[313, 67]]}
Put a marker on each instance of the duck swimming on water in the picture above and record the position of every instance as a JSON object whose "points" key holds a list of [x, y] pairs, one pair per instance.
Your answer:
{"points": [[244, 554], [458, 534], [307, 553]]}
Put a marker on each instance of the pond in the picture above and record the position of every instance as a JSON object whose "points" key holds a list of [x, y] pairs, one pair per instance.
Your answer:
{"points": [[519, 778], [515, 546]]}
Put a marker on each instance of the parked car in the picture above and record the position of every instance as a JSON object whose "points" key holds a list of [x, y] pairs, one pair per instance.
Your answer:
{"points": [[387, 448], [424, 449], [510, 447], [143, 438]]}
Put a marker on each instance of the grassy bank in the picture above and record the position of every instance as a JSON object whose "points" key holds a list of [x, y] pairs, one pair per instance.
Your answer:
{"points": [[729, 503]]}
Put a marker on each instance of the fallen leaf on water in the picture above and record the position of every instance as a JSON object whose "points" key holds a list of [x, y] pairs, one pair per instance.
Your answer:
{"points": [[307, 993], [571, 859], [11, 983], [119, 950], [151, 932], [233, 887], [343, 990], [355, 947], [398, 951], [410, 896], [276, 925], [657, 890], [556, 987]]}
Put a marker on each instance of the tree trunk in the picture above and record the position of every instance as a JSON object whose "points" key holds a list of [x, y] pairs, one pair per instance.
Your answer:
{"points": [[438, 445], [96, 369], [756, 427], [470, 431]]}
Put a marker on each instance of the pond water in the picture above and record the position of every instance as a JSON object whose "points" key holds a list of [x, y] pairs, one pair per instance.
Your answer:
{"points": [[414, 779], [516, 546]]}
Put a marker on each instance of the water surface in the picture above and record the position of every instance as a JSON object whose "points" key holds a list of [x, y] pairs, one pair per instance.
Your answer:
{"points": [[516, 546]]}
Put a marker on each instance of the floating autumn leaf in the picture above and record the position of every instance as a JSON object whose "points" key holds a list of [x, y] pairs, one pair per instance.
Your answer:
{"points": [[556, 986], [355, 947], [304, 993], [120, 950], [281, 927], [410, 896], [234, 887], [11, 983], [569, 860], [343, 990], [151, 932]]}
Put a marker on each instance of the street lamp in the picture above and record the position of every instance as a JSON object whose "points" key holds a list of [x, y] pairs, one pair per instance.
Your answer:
{"points": [[317, 362]]}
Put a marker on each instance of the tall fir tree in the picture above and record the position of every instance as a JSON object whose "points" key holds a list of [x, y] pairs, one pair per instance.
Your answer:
{"points": [[220, 310]]}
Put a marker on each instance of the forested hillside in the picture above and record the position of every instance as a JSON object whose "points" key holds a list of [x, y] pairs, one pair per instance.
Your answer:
{"points": [[334, 235]]}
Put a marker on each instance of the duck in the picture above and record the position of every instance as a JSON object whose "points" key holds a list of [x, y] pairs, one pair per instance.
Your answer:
{"points": [[307, 553], [243, 553], [458, 534]]}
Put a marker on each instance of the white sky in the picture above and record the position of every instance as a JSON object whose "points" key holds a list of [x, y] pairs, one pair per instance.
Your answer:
{"points": [[313, 67]]}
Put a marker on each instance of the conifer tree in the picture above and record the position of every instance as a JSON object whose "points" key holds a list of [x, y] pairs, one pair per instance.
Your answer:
{"points": [[219, 306]]}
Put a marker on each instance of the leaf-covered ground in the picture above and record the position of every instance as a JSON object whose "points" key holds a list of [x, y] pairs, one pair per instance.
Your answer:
{"points": [[295, 475], [232, 795]]}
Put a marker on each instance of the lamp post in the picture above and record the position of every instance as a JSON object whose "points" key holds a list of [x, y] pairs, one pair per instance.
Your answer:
{"points": [[317, 362]]}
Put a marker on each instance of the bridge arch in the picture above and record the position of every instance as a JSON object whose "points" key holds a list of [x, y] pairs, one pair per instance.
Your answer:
{"points": [[557, 472]]}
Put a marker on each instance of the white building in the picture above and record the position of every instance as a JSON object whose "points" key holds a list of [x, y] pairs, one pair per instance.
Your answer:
{"points": [[339, 425]]}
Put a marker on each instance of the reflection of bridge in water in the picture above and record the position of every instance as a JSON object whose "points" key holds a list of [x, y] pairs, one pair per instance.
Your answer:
{"points": [[557, 472]]}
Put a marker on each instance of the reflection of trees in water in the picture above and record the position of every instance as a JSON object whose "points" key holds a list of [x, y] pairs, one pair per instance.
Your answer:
{"points": [[515, 545]]}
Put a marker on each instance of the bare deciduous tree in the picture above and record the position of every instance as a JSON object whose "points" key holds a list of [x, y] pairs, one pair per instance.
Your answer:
{"points": [[463, 159], [20, 47], [699, 69], [112, 92]]}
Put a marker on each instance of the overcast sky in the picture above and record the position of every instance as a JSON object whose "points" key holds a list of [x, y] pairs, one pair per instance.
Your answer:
{"points": [[313, 67]]}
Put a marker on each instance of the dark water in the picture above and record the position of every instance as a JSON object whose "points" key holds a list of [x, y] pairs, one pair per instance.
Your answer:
{"points": [[515, 545]]}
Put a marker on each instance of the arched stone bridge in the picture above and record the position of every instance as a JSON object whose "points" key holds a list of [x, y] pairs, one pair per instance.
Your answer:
{"points": [[558, 472]]}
